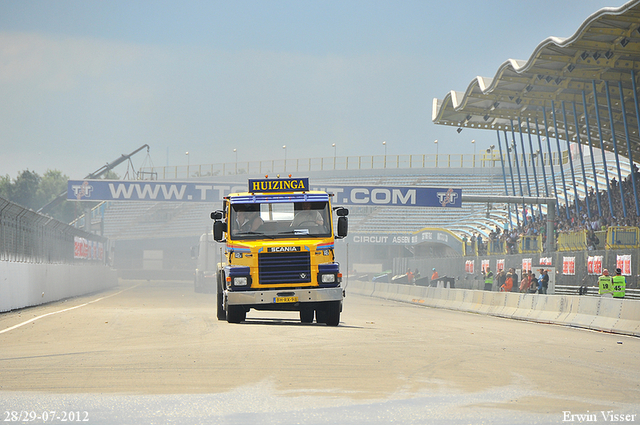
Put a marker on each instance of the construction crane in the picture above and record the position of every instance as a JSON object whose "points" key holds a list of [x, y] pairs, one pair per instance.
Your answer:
{"points": [[96, 174]]}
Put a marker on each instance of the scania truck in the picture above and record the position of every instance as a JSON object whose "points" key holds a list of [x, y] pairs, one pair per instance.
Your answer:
{"points": [[279, 241]]}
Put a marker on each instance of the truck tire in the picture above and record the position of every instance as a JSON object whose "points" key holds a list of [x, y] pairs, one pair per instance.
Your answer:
{"points": [[321, 316], [306, 316], [222, 315], [332, 312], [236, 314]]}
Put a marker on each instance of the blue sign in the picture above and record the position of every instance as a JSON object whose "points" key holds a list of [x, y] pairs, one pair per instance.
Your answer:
{"points": [[141, 190], [395, 196], [173, 191]]}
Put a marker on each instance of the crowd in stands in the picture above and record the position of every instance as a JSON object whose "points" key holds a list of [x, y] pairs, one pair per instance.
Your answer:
{"points": [[585, 215]]}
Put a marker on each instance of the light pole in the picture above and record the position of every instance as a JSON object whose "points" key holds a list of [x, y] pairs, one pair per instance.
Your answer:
{"points": [[285, 157], [385, 153], [334, 155], [187, 153], [436, 143], [473, 142], [236, 152]]}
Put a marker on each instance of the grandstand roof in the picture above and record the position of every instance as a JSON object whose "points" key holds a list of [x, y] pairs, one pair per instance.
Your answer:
{"points": [[560, 73]]}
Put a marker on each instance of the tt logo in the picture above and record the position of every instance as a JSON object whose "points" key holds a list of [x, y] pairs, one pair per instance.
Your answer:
{"points": [[448, 197], [82, 190]]}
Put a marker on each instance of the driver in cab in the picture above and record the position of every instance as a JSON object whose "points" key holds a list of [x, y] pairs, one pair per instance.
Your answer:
{"points": [[305, 216], [247, 221]]}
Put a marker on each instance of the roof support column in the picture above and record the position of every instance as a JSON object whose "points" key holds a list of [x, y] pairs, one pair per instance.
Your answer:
{"points": [[573, 174], [593, 162], [504, 174], [604, 159], [544, 173], [615, 149], [533, 166], [513, 184], [584, 173], [515, 153], [564, 183], [553, 174], [524, 164], [626, 132]]}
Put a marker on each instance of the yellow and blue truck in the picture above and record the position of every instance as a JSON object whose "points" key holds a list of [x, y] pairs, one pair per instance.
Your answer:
{"points": [[279, 241]]}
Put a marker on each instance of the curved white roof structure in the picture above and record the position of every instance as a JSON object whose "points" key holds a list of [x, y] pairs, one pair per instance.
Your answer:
{"points": [[603, 56]]}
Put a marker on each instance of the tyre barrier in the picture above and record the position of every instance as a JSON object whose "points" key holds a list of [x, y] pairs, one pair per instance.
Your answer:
{"points": [[614, 315]]}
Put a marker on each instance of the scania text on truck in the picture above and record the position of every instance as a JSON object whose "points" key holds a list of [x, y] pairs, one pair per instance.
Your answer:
{"points": [[279, 247]]}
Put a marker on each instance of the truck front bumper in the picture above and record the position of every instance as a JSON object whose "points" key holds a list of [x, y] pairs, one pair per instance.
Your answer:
{"points": [[308, 295]]}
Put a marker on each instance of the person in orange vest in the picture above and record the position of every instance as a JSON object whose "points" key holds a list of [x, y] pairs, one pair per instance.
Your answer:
{"points": [[434, 275], [507, 286], [410, 277]]}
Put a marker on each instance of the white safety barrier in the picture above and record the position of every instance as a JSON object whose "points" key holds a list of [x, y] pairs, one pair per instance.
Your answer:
{"points": [[605, 314], [27, 284]]}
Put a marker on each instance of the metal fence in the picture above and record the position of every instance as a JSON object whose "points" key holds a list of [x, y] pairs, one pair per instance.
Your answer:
{"points": [[29, 237], [490, 159]]}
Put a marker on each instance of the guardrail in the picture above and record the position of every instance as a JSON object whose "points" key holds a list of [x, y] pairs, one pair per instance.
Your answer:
{"points": [[622, 237]]}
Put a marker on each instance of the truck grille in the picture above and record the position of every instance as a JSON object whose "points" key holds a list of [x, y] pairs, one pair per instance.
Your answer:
{"points": [[284, 267]]}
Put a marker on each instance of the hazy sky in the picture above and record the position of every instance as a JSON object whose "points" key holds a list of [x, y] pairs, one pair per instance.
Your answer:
{"points": [[82, 82]]}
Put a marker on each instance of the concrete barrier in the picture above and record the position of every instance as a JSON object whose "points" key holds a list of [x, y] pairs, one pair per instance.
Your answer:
{"points": [[629, 321], [587, 311], [608, 314], [511, 303], [524, 307], [605, 314], [492, 303], [546, 308], [418, 294], [26, 284]]}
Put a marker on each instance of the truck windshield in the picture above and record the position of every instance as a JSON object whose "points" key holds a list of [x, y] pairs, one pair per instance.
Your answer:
{"points": [[279, 220]]}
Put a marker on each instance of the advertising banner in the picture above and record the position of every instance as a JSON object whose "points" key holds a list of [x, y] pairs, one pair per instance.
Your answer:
{"points": [[189, 191], [569, 266]]}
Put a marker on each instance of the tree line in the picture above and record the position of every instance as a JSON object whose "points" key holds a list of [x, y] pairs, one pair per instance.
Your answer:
{"points": [[33, 191]]}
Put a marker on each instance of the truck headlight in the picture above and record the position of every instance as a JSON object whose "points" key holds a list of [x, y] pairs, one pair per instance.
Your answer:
{"points": [[240, 281], [328, 278]]}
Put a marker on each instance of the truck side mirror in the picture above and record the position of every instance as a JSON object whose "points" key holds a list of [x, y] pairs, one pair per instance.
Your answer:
{"points": [[217, 215], [219, 227], [343, 226]]}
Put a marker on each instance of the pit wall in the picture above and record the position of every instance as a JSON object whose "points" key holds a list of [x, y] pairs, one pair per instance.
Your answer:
{"points": [[621, 316], [26, 284]]}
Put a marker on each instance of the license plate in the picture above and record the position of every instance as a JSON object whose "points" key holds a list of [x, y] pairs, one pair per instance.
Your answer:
{"points": [[286, 299]]}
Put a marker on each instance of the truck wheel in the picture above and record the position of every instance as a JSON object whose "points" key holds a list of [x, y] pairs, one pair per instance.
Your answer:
{"points": [[306, 316], [222, 315], [332, 313], [321, 316], [236, 314]]}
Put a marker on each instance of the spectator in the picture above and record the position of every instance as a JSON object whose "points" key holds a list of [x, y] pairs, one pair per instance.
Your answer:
{"points": [[525, 282], [508, 282], [488, 279], [543, 281], [501, 277]]}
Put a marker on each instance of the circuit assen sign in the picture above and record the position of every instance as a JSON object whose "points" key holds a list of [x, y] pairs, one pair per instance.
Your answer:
{"points": [[423, 236], [174, 191]]}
